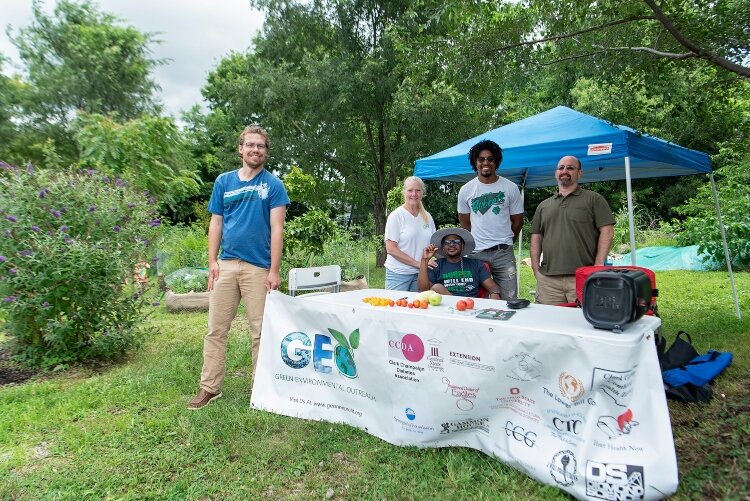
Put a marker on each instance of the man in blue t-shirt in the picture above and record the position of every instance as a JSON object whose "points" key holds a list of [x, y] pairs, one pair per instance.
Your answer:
{"points": [[247, 207], [454, 274]]}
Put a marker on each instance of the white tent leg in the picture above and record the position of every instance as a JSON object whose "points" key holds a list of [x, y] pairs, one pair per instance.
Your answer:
{"points": [[520, 247], [726, 248], [631, 221]]}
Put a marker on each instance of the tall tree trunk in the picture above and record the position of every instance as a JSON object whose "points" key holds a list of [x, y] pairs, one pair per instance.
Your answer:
{"points": [[379, 209]]}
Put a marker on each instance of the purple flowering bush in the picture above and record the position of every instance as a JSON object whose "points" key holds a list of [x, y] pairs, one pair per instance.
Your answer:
{"points": [[70, 242]]}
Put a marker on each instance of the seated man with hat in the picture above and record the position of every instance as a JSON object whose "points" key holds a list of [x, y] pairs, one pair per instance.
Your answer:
{"points": [[454, 274]]}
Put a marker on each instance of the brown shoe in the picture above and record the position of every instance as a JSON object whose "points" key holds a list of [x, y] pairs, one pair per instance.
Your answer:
{"points": [[202, 399]]}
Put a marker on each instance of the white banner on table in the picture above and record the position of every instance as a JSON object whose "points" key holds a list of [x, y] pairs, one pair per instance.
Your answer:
{"points": [[544, 392]]}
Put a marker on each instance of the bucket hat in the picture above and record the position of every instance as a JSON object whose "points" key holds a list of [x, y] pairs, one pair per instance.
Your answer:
{"points": [[439, 235]]}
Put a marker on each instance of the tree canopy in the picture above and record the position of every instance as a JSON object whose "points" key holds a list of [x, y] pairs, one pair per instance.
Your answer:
{"points": [[78, 59], [336, 84]]}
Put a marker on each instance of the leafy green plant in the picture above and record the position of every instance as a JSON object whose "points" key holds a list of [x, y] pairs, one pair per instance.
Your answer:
{"points": [[187, 280], [349, 252], [342, 247], [702, 226], [70, 243], [305, 235], [183, 247], [149, 152], [648, 231]]}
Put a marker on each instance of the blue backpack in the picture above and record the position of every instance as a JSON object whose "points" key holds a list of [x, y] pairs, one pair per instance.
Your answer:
{"points": [[686, 373], [700, 370]]}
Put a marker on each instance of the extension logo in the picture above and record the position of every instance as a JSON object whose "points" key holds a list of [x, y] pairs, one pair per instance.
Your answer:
{"points": [[297, 350], [614, 481]]}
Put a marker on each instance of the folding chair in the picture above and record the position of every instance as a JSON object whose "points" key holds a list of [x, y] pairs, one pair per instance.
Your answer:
{"points": [[317, 277]]}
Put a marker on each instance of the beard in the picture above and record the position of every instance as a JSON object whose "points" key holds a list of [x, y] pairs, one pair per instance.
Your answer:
{"points": [[487, 172], [565, 180]]}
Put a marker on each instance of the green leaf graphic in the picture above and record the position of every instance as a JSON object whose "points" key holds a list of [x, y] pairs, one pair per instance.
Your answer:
{"points": [[338, 336], [354, 338]]}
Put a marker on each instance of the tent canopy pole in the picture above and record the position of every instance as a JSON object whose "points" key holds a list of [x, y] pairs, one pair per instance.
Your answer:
{"points": [[520, 247], [726, 247], [631, 221]]}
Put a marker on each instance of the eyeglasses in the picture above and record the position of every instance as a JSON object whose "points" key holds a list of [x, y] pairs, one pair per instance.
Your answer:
{"points": [[260, 146], [567, 167], [486, 159], [452, 241]]}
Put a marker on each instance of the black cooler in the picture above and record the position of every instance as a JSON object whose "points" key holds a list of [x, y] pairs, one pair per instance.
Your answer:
{"points": [[612, 298]]}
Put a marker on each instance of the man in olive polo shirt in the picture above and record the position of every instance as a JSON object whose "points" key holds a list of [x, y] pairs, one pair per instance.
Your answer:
{"points": [[570, 229]]}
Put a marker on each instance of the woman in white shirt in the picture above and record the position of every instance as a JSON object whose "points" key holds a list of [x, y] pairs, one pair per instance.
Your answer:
{"points": [[407, 232]]}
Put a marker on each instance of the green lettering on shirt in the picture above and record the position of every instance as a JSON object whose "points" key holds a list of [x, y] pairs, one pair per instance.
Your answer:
{"points": [[484, 202]]}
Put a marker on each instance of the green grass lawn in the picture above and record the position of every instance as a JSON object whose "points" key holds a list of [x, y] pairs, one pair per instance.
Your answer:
{"points": [[124, 432]]}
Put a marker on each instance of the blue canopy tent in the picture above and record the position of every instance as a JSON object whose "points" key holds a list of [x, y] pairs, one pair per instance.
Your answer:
{"points": [[532, 146]]}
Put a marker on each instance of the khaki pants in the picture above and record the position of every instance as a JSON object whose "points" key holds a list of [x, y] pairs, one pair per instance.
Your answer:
{"points": [[555, 289], [237, 279]]}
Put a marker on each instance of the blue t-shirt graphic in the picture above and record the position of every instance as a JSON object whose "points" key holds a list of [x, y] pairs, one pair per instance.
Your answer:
{"points": [[246, 209]]}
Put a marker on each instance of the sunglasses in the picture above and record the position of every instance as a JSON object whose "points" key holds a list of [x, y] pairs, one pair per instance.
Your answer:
{"points": [[453, 241]]}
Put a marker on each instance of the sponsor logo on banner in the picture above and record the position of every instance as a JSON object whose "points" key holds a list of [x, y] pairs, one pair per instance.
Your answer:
{"points": [[571, 387], [434, 359], [618, 385], [481, 424], [614, 481], [520, 434], [523, 367], [410, 424], [563, 468], [600, 149], [520, 404], [568, 427], [464, 395], [407, 347], [614, 427], [469, 360], [297, 350], [564, 402]]}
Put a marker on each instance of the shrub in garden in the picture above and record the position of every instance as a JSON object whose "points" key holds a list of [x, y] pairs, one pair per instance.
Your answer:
{"points": [[183, 247], [305, 235], [70, 242], [187, 280], [702, 226]]}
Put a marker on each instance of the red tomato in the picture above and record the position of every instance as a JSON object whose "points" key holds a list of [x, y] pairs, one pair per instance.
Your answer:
{"points": [[410, 305], [461, 305], [469, 303]]}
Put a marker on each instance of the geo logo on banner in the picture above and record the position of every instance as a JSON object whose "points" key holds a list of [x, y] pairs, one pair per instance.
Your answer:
{"points": [[296, 350]]}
